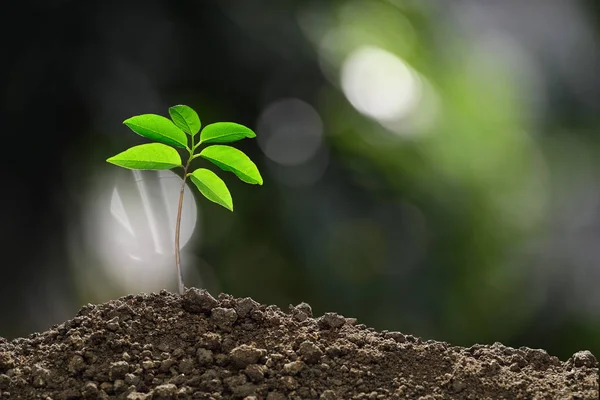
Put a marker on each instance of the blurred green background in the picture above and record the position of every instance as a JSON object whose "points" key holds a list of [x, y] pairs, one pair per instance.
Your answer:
{"points": [[430, 167]]}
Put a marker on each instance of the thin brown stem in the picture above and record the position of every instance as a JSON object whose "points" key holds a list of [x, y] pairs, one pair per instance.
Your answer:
{"points": [[177, 229]]}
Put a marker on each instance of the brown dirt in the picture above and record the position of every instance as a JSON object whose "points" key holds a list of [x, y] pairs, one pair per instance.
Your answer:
{"points": [[164, 346]]}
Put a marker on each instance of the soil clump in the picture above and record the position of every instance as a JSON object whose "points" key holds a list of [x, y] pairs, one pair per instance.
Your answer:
{"points": [[166, 346]]}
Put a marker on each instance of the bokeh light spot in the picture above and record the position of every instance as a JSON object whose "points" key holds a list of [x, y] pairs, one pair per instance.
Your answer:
{"points": [[132, 230], [379, 84], [290, 132]]}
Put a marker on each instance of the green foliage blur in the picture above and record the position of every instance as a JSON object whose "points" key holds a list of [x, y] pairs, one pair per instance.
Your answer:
{"points": [[445, 219]]}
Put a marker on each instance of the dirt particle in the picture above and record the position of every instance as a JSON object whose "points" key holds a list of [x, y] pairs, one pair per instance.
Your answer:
{"points": [[118, 370], [113, 324], [90, 390], [331, 321], [223, 317], [458, 386], [106, 387], [310, 352], [77, 364], [204, 357], [276, 396], [125, 356], [40, 376], [186, 366], [119, 386], [4, 381], [198, 301], [299, 316], [289, 382], [301, 312], [397, 336], [163, 347], [221, 359], [538, 357], [294, 367], [138, 396], [166, 365], [583, 359], [305, 308], [239, 386], [132, 379], [166, 391], [255, 372], [333, 351], [211, 341], [514, 367], [245, 307], [6, 361], [244, 355]]}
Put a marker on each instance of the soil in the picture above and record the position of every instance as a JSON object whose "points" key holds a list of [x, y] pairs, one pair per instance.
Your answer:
{"points": [[166, 346]]}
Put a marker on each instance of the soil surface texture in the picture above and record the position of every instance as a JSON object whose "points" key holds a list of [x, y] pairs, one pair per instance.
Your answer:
{"points": [[166, 346]]}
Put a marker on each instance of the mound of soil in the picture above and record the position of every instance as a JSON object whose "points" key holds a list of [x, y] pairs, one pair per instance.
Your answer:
{"points": [[166, 346]]}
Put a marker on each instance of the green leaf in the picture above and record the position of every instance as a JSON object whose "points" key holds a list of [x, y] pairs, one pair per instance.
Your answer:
{"points": [[157, 128], [185, 118], [231, 159], [212, 187], [225, 132], [147, 156]]}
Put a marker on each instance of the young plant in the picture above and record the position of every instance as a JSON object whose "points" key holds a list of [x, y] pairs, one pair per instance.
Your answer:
{"points": [[181, 132]]}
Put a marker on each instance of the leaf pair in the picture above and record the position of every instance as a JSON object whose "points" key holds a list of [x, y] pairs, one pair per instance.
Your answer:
{"points": [[228, 159], [185, 122]]}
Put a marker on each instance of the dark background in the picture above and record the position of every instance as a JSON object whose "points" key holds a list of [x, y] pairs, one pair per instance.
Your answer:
{"points": [[458, 201]]}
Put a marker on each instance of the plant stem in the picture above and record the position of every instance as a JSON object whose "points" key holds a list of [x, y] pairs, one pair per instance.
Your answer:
{"points": [[180, 285], [177, 229]]}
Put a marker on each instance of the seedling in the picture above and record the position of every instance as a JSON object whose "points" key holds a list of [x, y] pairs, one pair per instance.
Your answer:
{"points": [[181, 132]]}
